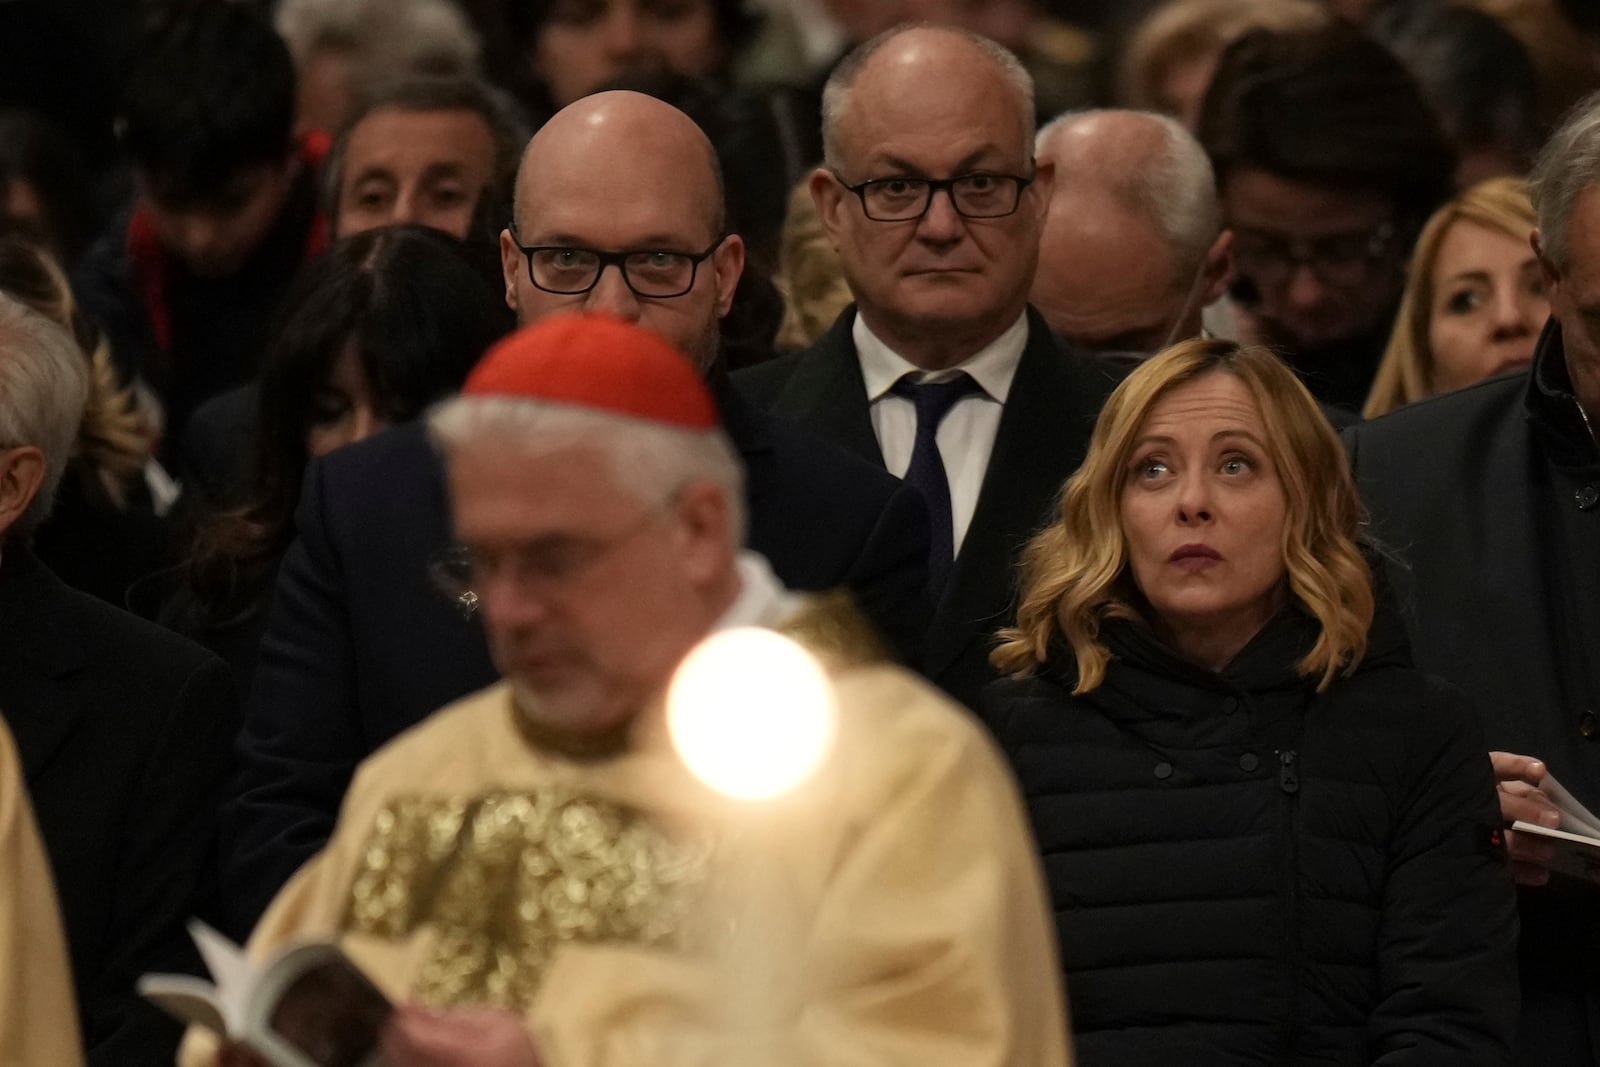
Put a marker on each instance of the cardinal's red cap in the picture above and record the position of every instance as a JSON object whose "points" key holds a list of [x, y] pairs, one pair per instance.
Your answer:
{"points": [[598, 362]]}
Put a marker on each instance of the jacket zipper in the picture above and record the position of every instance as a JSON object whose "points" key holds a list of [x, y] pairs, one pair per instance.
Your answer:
{"points": [[1289, 787]]}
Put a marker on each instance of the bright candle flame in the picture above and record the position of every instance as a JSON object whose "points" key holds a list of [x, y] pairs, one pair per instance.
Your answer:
{"points": [[751, 713]]}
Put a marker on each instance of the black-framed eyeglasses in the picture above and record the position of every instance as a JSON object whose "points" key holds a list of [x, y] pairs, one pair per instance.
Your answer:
{"points": [[979, 195], [544, 567], [1337, 260], [651, 273]]}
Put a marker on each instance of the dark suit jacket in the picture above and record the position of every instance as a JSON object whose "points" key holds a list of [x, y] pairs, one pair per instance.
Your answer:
{"points": [[119, 725], [359, 646], [1044, 432], [1487, 501]]}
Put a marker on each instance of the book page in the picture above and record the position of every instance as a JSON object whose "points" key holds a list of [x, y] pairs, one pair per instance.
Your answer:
{"points": [[231, 970], [1575, 818], [1578, 854]]}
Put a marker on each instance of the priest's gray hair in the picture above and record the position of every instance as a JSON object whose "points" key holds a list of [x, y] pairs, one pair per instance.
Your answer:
{"points": [[649, 460], [44, 385], [841, 83], [1568, 164]]}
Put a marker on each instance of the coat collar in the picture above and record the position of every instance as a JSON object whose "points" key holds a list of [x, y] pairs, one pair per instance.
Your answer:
{"points": [[828, 394], [1553, 409]]}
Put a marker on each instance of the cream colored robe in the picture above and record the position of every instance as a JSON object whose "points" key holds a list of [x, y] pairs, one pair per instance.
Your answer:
{"points": [[38, 1017], [890, 911]]}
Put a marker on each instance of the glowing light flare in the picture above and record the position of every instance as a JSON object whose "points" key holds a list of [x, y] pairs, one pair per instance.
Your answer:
{"points": [[751, 713]]}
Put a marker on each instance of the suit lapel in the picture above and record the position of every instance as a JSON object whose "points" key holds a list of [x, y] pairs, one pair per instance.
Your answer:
{"points": [[828, 395], [40, 652], [1043, 434]]}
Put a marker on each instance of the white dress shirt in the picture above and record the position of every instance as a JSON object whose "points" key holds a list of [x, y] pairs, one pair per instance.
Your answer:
{"points": [[966, 436]]}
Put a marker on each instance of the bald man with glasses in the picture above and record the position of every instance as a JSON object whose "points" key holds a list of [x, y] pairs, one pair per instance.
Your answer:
{"points": [[618, 211], [940, 372]]}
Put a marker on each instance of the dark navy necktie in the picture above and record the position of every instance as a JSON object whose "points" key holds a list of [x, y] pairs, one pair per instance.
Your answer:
{"points": [[933, 401]]}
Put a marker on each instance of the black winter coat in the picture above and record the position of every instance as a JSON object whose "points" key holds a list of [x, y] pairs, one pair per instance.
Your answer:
{"points": [[1244, 871], [1488, 499]]}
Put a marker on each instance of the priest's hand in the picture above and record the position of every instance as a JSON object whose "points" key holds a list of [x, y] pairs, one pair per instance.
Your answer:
{"points": [[1519, 779], [460, 1037]]}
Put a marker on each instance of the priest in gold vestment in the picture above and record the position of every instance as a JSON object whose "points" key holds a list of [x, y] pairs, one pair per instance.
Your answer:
{"points": [[534, 870], [38, 1017]]}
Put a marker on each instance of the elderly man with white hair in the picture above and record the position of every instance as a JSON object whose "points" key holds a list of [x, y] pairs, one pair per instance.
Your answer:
{"points": [[1133, 250], [119, 724], [543, 866]]}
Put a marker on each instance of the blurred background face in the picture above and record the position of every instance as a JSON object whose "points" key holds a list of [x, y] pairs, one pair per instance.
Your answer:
{"points": [[1488, 305], [1312, 259], [214, 238], [1203, 511], [345, 408], [585, 44], [427, 168]]}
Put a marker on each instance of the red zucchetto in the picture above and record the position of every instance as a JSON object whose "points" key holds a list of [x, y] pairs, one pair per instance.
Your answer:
{"points": [[596, 361]]}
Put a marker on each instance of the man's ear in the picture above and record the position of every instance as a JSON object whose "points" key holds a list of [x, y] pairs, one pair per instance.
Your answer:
{"points": [[827, 196], [1547, 269], [1218, 269], [728, 262], [21, 476], [512, 262], [1043, 186], [703, 513]]}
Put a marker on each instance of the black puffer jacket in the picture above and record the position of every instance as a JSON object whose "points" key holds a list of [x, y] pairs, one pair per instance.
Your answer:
{"points": [[1244, 871]]}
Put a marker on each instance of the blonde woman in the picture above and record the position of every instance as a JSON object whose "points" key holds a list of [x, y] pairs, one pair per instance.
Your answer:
{"points": [[1474, 301], [1267, 839]]}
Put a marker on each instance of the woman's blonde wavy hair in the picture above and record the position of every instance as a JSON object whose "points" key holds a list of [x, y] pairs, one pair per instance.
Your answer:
{"points": [[114, 440], [1406, 372], [1075, 571]]}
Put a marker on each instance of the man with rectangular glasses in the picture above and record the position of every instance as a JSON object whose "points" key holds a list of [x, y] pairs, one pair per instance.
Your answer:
{"points": [[618, 211], [940, 371]]}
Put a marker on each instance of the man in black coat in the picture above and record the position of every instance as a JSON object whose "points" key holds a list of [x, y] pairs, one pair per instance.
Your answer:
{"points": [[119, 724], [1488, 500], [359, 646], [931, 194]]}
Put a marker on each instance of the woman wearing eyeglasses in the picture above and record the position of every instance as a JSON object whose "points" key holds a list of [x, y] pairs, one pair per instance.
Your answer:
{"points": [[1267, 839]]}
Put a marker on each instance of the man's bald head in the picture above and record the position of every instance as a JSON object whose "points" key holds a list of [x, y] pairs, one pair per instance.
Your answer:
{"points": [[896, 60], [1131, 251], [626, 129], [621, 172]]}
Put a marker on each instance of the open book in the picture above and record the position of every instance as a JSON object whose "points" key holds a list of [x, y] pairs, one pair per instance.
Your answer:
{"points": [[306, 1006], [1579, 836]]}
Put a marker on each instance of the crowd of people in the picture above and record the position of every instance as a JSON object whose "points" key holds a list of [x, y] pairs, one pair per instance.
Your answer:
{"points": [[1171, 428]]}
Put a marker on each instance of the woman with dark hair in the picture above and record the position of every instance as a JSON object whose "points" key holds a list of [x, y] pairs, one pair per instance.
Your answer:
{"points": [[1268, 840], [385, 323]]}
